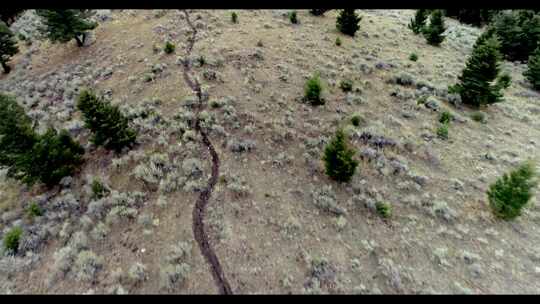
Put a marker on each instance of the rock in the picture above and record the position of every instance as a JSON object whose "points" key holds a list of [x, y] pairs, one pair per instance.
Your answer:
{"points": [[432, 104], [441, 209], [470, 257], [66, 181]]}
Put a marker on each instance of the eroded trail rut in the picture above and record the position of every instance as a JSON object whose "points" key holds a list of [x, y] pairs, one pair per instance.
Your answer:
{"points": [[199, 210]]}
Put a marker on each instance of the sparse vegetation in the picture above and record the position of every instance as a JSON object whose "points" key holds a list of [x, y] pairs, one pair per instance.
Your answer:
{"points": [[338, 158], [34, 210], [234, 17], [442, 131], [479, 117], [12, 239], [413, 57], [338, 41], [445, 117], [384, 209], [99, 190], [347, 22], [169, 48], [293, 17], [510, 193], [313, 89], [62, 25], [109, 125], [346, 85], [357, 120]]}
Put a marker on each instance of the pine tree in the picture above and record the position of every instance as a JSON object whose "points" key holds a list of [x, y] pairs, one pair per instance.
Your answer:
{"points": [[8, 46], [339, 163], [510, 193], [419, 22], [318, 12], [433, 32], [347, 22], [64, 25], [8, 15], [16, 133], [533, 69], [53, 157], [518, 32], [481, 70], [109, 126]]}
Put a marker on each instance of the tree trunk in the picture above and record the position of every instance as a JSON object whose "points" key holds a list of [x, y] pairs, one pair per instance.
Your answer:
{"points": [[79, 42], [5, 67]]}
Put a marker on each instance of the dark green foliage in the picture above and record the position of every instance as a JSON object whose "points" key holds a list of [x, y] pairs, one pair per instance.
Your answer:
{"points": [[293, 17], [442, 131], [12, 238], [8, 46], [98, 189], [510, 193], [383, 209], [31, 157], [433, 32], [313, 90], [8, 15], [16, 133], [346, 85], [109, 126], [338, 158], [62, 25], [318, 12], [518, 32], [34, 210], [357, 120], [347, 22], [201, 60], [475, 86], [419, 22], [476, 17], [53, 157], [533, 69], [445, 117], [234, 17], [338, 41], [169, 47], [413, 57]]}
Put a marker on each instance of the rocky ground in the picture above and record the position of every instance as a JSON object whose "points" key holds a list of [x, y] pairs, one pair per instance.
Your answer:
{"points": [[276, 222]]}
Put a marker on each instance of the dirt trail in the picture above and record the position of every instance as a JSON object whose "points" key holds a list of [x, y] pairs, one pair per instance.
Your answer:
{"points": [[200, 206]]}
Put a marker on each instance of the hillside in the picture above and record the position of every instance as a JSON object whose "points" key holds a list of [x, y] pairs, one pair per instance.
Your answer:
{"points": [[275, 221]]}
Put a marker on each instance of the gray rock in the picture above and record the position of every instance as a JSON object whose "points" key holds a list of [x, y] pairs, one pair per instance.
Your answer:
{"points": [[432, 104]]}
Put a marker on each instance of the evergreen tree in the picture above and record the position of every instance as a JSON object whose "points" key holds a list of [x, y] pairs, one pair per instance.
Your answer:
{"points": [[419, 22], [482, 68], [318, 12], [347, 22], [53, 157], [433, 32], [510, 193], [8, 46], [339, 163], [109, 126], [518, 32], [533, 69], [8, 15], [16, 134], [62, 25]]}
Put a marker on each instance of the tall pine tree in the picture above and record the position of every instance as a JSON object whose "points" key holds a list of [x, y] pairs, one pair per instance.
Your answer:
{"points": [[8, 46], [109, 126], [347, 22], [62, 25], [338, 160], [482, 68], [433, 32], [419, 22], [533, 69]]}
